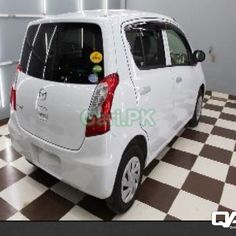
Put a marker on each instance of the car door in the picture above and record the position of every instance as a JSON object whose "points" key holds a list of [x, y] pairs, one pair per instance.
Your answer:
{"points": [[182, 70], [152, 80]]}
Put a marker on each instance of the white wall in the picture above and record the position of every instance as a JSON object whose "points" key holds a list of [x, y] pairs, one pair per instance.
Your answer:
{"points": [[207, 23]]}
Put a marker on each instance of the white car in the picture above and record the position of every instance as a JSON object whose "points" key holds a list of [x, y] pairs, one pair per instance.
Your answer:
{"points": [[99, 94]]}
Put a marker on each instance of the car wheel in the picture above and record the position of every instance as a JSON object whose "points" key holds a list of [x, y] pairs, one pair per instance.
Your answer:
{"points": [[127, 181], [198, 111]]}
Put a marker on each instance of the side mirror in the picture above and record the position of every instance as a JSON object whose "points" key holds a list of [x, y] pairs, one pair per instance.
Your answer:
{"points": [[199, 56]]}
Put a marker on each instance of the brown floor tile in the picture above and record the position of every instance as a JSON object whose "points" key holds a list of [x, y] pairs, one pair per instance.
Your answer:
{"points": [[195, 135], [222, 208], [213, 107], [9, 154], [3, 122], [44, 178], [157, 195], [97, 207], [226, 133], [150, 167], [216, 154], [204, 187], [208, 120], [231, 105], [8, 176], [180, 159], [209, 93], [232, 97], [219, 99], [49, 206], [171, 218], [227, 117], [231, 178], [6, 210]]}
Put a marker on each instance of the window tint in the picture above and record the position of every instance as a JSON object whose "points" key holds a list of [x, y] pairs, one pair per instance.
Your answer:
{"points": [[146, 45], [63, 53], [27, 46], [180, 51]]}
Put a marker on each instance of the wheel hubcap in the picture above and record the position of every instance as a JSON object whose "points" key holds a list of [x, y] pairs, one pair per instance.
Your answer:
{"points": [[130, 179], [199, 108]]}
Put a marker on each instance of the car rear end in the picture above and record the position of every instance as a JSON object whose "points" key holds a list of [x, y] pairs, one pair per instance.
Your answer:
{"points": [[61, 102]]}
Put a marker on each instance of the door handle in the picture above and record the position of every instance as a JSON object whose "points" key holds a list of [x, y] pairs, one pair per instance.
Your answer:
{"points": [[179, 80], [145, 90]]}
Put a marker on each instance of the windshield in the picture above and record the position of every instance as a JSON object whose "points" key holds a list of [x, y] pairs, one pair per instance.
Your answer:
{"points": [[64, 52]]}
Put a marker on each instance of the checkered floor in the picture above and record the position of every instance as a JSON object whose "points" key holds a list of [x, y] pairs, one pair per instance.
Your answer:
{"points": [[194, 176]]}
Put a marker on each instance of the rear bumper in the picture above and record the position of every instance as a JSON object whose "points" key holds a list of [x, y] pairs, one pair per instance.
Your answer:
{"points": [[92, 169]]}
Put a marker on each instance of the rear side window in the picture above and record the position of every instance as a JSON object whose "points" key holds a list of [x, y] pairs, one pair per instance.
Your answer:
{"points": [[146, 45], [180, 51], [64, 52]]}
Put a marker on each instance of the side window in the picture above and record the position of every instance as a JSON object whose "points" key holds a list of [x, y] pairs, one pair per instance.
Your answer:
{"points": [[180, 51], [134, 39], [146, 44]]}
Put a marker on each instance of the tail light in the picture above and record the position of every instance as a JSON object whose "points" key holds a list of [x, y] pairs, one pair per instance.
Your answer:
{"points": [[13, 89], [99, 114]]}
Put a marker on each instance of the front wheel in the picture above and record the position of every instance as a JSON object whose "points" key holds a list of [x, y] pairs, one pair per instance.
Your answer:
{"points": [[198, 111], [128, 180]]}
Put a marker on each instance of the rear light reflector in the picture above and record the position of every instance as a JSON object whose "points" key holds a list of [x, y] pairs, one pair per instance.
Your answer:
{"points": [[13, 98], [99, 114], [13, 88]]}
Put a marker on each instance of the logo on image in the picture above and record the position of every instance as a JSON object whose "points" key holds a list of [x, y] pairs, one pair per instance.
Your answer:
{"points": [[224, 219]]}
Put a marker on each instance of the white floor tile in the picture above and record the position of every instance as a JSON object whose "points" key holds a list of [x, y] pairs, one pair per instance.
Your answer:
{"points": [[228, 198], [18, 217], [211, 168], [190, 207], [188, 145], [23, 192], [221, 142], [216, 102], [231, 101], [226, 124], [204, 128], [169, 174], [4, 130], [233, 161], [79, 214], [23, 165], [140, 211], [4, 143], [219, 95], [230, 111], [210, 113], [68, 192], [207, 96]]}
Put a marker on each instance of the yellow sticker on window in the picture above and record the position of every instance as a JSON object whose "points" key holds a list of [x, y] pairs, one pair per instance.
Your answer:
{"points": [[96, 57]]}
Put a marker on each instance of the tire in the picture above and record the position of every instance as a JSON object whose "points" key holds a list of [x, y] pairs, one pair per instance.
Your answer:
{"points": [[115, 202], [197, 114]]}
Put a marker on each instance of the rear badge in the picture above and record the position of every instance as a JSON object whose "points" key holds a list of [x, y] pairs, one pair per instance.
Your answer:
{"points": [[42, 94], [93, 78], [96, 57]]}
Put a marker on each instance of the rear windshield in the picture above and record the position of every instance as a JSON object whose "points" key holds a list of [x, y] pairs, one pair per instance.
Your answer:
{"points": [[64, 52]]}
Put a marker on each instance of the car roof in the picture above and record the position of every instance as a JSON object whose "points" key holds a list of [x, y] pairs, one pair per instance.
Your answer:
{"points": [[101, 15]]}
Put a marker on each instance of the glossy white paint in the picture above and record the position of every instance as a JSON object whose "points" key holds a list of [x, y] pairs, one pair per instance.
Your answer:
{"points": [[59, 146]]}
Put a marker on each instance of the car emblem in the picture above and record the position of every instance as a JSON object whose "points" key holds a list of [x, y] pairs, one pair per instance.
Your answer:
{"points": [[42, 94]]}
